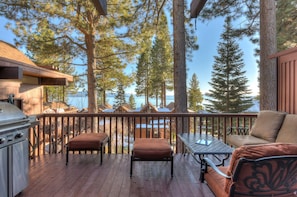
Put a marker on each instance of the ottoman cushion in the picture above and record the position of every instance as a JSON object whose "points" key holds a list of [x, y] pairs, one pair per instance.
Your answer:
{"points": [[151, 148], [87, 141]]}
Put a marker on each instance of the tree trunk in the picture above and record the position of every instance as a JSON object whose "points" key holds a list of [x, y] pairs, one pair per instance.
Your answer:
{"points": [[104, 97], [268, 46], [164, 94], [180, 89], [92, 96], [46, 94], [146, 93]]}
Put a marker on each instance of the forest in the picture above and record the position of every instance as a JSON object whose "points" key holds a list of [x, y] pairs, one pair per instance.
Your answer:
{"points": [[68, 34]]}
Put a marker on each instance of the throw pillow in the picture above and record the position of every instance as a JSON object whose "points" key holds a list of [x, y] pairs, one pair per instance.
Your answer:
{"points": [[267, 125]]}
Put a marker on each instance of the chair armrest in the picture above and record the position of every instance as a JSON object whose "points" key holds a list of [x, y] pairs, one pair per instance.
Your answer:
{"points": [[215, 168]]}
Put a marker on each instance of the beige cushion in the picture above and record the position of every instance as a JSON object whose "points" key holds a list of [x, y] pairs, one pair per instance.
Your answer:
{"points": [[240, 140], [288, 131], [267, 125]]}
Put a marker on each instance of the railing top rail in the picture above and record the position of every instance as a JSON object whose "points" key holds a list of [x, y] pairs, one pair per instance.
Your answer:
{"points": [[138, 114]]}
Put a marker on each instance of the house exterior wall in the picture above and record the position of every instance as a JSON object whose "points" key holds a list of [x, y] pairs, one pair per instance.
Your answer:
{"points": [[286, 80], [8, 87], [287, 83], [31, 96], [20, 77]]}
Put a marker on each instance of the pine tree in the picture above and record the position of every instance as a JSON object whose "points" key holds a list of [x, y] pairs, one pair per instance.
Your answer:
{"points": [[252, 14], [45, 52], [286, 24], [132, 101], [160, 70], [229, 91], [119, 99], [143, 82], [165, 63], [195, 97], [155, 65]]}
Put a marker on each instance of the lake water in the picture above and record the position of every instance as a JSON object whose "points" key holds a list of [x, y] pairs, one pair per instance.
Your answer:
{"points": [[81, 102]]}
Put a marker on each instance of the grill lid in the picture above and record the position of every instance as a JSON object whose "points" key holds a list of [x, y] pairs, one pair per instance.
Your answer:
{"points": [[10, 114]]}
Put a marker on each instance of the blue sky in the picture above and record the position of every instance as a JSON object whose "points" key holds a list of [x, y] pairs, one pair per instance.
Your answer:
{"points": [[208, 37]]}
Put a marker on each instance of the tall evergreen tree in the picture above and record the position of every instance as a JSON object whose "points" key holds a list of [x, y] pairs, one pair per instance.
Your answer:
{"points": [[166, 58], [119, 99], [195, 96], [143, 82], [229, 91], [161, 70], [132, 101], [286, 23], [252, 15], [155, 67]]}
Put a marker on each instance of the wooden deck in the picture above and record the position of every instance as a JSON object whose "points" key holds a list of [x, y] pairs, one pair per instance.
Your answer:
{"points": [[49, 176]]}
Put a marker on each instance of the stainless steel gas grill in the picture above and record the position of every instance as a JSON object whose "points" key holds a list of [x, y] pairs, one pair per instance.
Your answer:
{"points": [[14, 156]]}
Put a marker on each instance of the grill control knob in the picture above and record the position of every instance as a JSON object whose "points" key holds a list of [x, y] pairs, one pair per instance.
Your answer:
{"points": [[2, 140], [18, 135]]}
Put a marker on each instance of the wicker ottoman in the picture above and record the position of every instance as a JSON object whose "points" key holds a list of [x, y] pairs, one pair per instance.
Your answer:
{"points": [[87, 142], [151, 149]]}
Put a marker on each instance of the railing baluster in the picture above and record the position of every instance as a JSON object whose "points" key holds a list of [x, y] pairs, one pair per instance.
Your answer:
{"points": [[129, 132], [62, 134], [38, 140], [224, 129], [123, 130], [56, 136]]}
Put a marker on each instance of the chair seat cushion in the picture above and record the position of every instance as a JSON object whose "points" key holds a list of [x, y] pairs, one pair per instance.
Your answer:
{"points": [[240, 140], [151, 148], [215, 181], [87, 141], [256, 152]]}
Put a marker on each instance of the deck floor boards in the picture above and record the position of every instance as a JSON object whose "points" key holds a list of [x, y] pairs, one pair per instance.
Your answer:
{"points": [[50, 177]]}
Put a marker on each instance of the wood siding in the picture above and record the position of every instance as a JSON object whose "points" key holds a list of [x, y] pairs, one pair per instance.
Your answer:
{"points": [[287, 82]]}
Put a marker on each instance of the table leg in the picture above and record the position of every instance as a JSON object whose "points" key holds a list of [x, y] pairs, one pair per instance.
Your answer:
{"points": [[223, 161], [203, 170]]}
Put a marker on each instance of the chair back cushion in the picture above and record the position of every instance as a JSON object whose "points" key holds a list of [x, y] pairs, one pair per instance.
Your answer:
{"points": [[268, 176], [267, 125], [256, 152], [288, 131]]}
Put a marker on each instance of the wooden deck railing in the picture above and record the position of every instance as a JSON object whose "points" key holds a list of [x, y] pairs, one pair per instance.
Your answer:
{"points": [[54, 130]]}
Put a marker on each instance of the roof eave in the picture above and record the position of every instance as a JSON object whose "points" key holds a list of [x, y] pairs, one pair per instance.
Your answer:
{"points": [[196, 7], [29, 70], [101, 6]]}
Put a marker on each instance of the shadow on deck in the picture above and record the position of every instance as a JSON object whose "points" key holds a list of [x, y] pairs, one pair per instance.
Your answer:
{"points": [[49, 176]]}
